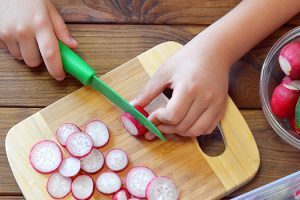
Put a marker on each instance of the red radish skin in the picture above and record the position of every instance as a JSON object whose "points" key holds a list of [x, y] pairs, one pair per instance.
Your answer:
{"points": [[297, 195], [283, 101], [116, 160], [122, 194], [286, 80], [161, 188], [93, 162], [108, 183], [292, 122], [45, 156], [289, 59], [79, 144], [98, 132], [58, 186], [70, 167], [64, 131], [82, 187]]}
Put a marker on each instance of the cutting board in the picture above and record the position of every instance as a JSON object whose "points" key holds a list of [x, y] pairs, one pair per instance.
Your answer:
{"points": [[197, 175]]}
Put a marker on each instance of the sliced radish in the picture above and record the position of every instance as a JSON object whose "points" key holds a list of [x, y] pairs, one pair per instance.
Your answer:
{"points": [[58, 186], [69, 167], [122, 194], [64, 131], [82, 187], [45, 156], [161, 188], [108, 183], [79, 144], [116, 160], [98, 132], [289, 59], [137, 180], [93, 162]]}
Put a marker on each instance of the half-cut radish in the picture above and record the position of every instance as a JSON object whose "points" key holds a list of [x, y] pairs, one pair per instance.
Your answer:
{"points": [[289, 59], [161, 188], [122, 194], [82, 187], [79, 144], [93, 162], [69, 167], [116, 160], [108, 183], [137, 180], [45, 156], [58, 186], [98, 132], [64, 131]]}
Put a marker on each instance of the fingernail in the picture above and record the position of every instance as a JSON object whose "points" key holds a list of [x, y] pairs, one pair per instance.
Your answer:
{"points": [[132, 102], [60, 78], [72, 40]]}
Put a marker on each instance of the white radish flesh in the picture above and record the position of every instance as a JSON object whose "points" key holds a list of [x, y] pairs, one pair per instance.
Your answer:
{"points": [[58, 186], [99, 133], [161, 188], [93, 162], [122, 194], [79, 144], [64, 131], [137, 180], [69, 167], [45, 156], [116, 160], [82, 187], [108, 183]]}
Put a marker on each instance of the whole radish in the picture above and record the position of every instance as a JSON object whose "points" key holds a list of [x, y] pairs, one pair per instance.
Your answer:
{"points": [[289, 59]]}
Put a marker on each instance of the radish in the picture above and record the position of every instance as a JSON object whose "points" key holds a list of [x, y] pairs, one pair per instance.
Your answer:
{"points": [[137, 180], [132, 125], [69, 167], [58, 186], [98, 132], [64, 131], [161, 188], [122, 194], [93, 162], [79, 144], [116, 160], [82, 187], [289, 59], [45, 156], [297, 195], [283, 101], [108, 183]]}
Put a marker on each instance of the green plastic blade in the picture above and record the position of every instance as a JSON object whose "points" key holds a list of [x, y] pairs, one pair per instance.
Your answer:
{"points": [[117, 99]]}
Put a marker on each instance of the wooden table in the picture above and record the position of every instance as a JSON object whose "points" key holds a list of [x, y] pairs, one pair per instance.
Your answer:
{"points": [[112, 32]]}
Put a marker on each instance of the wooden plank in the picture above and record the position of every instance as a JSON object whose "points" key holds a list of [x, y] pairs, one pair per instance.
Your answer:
{"points": [[201, 12], [11, 198]]}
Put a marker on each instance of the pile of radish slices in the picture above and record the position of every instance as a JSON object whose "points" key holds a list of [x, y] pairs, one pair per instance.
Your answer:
{"points": [[72, 173]]}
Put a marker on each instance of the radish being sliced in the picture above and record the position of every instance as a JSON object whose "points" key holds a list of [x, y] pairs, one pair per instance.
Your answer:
{"points": [[122, 194], [93, 162], [116, 160], [98, 132], [137, 180], [58, 186], [82, 187], [45, 156], [64, 131], [79, 144], [161, 188], [108, 183], [289, 59], [69, 167]]}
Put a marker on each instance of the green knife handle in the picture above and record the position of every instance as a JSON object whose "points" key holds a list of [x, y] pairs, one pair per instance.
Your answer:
{"points": [[75, 65]]}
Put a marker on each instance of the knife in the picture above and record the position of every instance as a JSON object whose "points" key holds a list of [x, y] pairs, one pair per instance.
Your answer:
{"points": [[78, 68]]}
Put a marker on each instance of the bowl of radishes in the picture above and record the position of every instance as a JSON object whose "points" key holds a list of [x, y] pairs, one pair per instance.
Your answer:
{"points": [[280, 87]]}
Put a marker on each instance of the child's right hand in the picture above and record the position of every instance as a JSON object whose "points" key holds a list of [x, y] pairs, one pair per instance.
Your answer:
{"points": [[30, 29]]}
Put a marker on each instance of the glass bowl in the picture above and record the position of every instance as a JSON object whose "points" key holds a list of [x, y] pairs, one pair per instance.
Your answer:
{"points": [[271, 76]]}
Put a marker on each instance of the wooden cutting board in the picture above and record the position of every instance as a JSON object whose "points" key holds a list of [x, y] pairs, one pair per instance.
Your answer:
{"points": [[196, 175]]}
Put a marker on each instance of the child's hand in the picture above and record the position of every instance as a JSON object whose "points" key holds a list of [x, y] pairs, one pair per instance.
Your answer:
{"points": [[199, 79], [30, 29]]}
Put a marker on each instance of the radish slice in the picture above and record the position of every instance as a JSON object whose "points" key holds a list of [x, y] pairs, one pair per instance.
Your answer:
{"points": [[122, 194], [64, 131], [69, 167], [116, 160], [93, 162], [137, 180], [98, 132], [108, 183], [58, 186], [45, 156], [161, 188], [82, 187], [79, 144]]}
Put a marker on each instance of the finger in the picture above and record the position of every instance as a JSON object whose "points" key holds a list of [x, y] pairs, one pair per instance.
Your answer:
{"points": [[216, 121], [149, 136], [14, 49], [29, 50]]}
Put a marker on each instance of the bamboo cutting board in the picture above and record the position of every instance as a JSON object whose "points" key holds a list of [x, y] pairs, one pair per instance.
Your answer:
{"points": [[196, 175]]}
